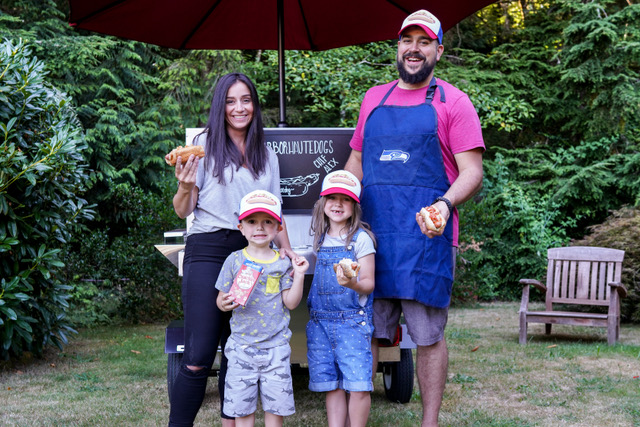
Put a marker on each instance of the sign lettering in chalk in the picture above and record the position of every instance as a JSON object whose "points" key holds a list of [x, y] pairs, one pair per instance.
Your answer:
{"points": [[306, 156]]}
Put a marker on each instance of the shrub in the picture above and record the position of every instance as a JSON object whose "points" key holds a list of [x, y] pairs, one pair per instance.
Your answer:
{"points": [[117, 273], [42, 178], [504, 236]]}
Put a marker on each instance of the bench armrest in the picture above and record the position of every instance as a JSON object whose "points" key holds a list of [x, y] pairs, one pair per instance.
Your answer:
{"points": [[617, 286], [524, 304], [536, 283]]}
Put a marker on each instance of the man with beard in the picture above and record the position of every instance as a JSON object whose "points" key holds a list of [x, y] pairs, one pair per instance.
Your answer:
{"points": [[418, 142]]}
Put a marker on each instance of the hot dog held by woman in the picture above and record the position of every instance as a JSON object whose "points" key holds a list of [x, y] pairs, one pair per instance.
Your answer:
{"points": [[184, 152]]}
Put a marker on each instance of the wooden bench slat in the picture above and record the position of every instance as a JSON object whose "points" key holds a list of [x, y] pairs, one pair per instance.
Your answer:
{"points": [[586, 253], [577, 301], [582, 286], [576, 314]]}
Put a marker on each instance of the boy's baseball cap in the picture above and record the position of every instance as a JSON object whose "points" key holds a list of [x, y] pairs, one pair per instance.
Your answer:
{"points": [[425, 20], [260, 201], [343, 182]]}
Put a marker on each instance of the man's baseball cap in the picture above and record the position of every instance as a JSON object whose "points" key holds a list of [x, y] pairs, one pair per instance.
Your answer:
{"points": [[425, 20], [260, 201], [343, 182]]}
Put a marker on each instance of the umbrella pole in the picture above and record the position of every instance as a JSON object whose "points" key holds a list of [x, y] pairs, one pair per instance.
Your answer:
{"points": [[283, 119]]}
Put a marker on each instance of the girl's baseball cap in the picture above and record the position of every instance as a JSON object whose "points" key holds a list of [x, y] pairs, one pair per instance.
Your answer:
{"points": [[260, 201], [343, 182]]}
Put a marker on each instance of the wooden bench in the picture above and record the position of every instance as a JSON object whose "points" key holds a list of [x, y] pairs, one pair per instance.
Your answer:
{"points": [[578, 275]]}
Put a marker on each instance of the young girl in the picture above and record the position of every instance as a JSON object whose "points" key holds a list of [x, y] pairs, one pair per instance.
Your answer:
{"points": [[340, 308]]}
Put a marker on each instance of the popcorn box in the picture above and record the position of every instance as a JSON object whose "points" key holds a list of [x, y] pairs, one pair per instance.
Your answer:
{"points": [[245, 281]]}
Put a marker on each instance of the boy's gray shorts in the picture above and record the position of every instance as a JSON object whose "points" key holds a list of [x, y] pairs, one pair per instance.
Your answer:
{"points": [[252, 371]]}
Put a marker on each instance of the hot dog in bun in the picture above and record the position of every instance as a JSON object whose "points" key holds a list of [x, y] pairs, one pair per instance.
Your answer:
{"points": [[350, 268], [433, 218], [184, 152]]}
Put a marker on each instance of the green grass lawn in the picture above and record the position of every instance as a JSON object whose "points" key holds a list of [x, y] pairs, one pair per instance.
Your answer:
{"points": [[116, 376]]}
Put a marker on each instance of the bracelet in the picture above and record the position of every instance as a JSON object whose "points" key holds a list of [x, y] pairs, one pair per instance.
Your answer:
{"points": [[447, 202]]}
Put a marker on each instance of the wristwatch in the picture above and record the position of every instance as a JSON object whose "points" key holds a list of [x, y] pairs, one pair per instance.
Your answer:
{"points": [[446, 202]]}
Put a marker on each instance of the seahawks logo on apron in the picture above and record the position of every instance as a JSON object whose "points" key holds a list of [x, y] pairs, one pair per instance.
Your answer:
{"points": [[394, 155]]}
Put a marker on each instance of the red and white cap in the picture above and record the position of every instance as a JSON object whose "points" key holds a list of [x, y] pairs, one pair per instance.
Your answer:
{"points": [[260, 201], [425, 20], [343, 182]]}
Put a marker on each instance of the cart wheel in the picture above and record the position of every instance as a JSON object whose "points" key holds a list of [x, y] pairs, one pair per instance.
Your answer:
{"points": [[398, 377], [174, 361]]}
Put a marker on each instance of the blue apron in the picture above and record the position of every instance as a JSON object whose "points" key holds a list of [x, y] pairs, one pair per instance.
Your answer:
{"points": [[404, 171]]}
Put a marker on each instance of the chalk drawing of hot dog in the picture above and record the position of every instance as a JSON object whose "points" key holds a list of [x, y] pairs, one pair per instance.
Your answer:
{"points": [[297, 186]]}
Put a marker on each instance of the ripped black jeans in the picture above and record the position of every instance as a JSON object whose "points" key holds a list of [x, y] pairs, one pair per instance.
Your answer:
{"points": [[205, 326]]}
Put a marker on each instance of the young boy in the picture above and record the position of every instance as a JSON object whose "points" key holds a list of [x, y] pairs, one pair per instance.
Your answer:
{"points": [[258, 350]]}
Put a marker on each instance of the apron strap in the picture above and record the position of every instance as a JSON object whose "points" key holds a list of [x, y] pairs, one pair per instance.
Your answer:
{"points": [[432, 90], [428, 98], [387, 95]]}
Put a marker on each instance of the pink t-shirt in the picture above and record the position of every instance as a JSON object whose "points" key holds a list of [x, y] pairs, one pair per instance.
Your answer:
{"points": [[458, 123]]}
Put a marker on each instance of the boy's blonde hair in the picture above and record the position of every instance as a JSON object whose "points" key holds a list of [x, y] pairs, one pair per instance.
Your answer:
{"points": [[320, 223]]}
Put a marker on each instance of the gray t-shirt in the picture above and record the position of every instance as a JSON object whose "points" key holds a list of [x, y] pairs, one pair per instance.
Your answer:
{"points": [[264, 321], [218, 205], [364, 244]]}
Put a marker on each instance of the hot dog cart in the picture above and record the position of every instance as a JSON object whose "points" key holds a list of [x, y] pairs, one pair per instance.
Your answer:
{"points": [[305, 155]]}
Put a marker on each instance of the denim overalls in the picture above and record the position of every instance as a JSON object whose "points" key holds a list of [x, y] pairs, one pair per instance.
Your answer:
{"points": [[339, 329]]}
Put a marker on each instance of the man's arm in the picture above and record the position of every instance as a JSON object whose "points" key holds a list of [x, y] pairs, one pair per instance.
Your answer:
{"points": [[467, 184], [354, 164]]}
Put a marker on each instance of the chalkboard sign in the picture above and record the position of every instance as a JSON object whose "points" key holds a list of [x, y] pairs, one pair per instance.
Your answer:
{"points": [[306, 156]]}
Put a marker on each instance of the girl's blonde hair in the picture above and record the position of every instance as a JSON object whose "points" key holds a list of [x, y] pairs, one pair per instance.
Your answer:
{"points": [[320, 223]]}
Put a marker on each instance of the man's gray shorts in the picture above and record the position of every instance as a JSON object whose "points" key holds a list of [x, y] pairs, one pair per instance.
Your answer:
{"points": [[425, 324]]}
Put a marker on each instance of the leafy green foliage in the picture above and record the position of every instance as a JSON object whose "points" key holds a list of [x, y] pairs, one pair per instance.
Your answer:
{"points": [[42, 178], [331, 84], [124, 277], [519, 222], [601, 68], [115, 86]]}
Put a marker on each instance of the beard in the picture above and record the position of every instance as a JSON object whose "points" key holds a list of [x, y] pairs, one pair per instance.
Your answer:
{"points": [[419, 77]]}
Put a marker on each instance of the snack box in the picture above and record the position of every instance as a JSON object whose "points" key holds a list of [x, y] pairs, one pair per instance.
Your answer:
{"points": [[245, 281]]}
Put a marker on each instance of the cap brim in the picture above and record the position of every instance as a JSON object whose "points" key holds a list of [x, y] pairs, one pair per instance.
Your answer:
{"points": [[426, 29], [341, 191], [252, 211]]}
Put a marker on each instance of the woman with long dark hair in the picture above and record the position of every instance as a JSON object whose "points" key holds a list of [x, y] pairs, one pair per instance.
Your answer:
{"points": [[237, 161]]}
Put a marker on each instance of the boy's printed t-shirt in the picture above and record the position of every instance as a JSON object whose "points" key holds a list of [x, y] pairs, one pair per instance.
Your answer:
{"points": [[264, 321]]}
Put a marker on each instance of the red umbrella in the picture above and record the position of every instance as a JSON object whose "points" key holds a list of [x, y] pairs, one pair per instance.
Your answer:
{"points": [[260, 24]]}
